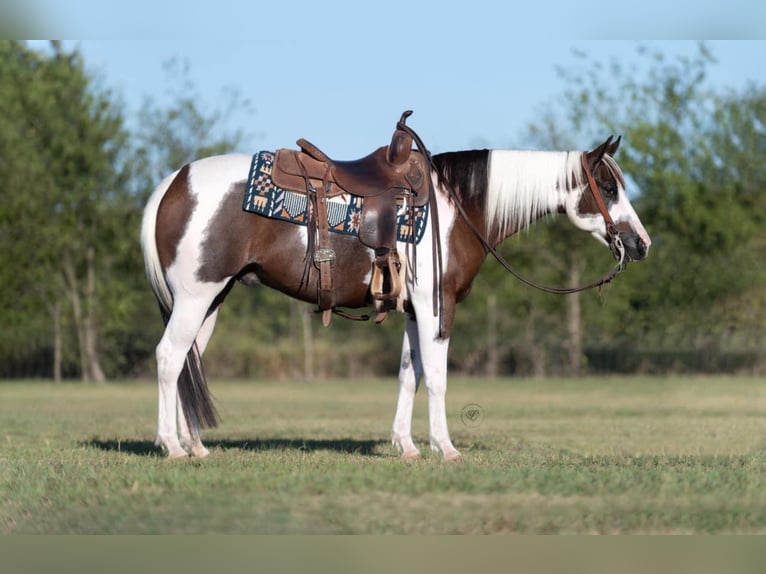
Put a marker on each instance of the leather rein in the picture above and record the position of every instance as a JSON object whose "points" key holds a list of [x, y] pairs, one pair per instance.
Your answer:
{"points": [[613, 235]]}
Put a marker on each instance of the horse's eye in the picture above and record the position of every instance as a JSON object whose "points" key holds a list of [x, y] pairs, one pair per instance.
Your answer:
{"points": [[610, 189]]}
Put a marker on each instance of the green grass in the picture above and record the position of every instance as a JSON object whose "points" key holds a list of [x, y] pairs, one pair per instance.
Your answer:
{"points": [[617, 455]]}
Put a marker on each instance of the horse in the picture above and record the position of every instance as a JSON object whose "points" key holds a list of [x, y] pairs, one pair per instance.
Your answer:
{"points": [[198, 242]]}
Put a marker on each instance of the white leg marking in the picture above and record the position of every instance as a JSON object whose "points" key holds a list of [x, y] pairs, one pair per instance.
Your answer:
{"points": [[170, 359], [189, 432], [410, 372], [180, 333], [434, 358]]}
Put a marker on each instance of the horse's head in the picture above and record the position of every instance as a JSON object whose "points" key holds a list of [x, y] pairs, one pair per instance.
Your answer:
{"points": [[606, 211]]}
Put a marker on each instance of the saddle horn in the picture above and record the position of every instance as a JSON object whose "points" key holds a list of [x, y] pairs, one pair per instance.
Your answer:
{"points": [[401, 143]]}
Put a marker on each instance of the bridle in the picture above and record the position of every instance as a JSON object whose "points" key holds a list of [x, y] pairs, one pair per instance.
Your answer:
{"points": [[612, 233]]}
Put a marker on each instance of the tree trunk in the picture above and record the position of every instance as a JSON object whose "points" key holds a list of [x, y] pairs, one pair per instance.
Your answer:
{"points": [[574, 319], [91, 331], [57, 342], [493, 353], [535, 348], [73, 293], [84, 320]]}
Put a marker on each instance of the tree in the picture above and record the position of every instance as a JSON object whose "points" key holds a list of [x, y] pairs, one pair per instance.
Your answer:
{"points": [[60, 190]]}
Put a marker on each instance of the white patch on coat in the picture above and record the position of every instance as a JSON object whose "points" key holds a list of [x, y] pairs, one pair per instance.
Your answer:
{"points": [[210, 179]]}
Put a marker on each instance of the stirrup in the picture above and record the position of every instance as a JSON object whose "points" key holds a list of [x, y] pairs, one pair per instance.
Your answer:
{"points": [[392, 263]]}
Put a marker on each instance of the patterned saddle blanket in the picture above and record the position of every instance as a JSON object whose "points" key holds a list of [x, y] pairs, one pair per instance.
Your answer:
{"points": [[344, 212]]}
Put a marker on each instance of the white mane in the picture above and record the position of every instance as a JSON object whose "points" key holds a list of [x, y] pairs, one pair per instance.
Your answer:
{"points": [[525, 185]]}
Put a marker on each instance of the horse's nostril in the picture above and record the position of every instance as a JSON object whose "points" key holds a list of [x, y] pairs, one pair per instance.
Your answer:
{"points": [[641, 247]]}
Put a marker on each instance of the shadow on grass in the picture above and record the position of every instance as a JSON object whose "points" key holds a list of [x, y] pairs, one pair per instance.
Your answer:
{"points": [[344, 445]]}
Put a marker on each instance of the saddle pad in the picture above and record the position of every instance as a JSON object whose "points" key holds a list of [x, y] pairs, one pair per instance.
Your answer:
{"points": [[344, 212]]}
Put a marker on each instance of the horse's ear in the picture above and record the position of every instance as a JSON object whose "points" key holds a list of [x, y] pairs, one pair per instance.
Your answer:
{"points": [[612, 148], [595, 155]]}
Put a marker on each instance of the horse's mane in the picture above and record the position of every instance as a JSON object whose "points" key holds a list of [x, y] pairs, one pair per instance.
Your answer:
{"points": [[525, 185], [465, 172], [515, 187]]}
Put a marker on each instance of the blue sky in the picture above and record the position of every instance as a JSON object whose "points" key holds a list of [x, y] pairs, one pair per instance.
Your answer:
{"points": [[340, 73]]}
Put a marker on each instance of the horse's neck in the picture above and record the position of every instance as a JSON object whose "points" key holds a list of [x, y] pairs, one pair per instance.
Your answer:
{"points": [[504, 191], [523, 187]]}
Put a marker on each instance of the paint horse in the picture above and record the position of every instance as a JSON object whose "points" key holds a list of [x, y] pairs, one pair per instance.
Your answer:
{"points": [[197, 242]]}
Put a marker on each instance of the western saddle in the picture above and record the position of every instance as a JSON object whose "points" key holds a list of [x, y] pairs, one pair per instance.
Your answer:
{"points": [[388, 178]]}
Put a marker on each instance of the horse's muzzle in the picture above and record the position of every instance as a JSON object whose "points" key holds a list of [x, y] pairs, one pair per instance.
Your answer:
{"points": [[635, 247]]}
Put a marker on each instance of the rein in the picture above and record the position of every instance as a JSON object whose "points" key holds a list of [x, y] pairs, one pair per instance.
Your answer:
{"points": [[615, 243], [436, 252]]}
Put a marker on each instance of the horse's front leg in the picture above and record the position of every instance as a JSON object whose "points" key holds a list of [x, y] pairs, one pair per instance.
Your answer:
{"points": [[410, 373], [433, 356], [435, 375]]}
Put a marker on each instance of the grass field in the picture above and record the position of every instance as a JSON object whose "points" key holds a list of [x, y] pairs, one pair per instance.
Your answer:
{"points": [[616, 455]]}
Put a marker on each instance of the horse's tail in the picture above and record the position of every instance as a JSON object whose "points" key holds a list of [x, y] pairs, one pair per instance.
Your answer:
{"points": [[193, 391]]}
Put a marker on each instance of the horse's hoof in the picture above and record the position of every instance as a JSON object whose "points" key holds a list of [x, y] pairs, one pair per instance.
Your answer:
{"points": [[453, 457], [176, 454], [201, 452], [411, 455]]}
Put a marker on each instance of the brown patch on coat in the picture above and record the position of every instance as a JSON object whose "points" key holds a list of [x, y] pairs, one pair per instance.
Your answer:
{"points": [[226, 239], [173, 214], [587, 204], [466, 256], [256, 249]]}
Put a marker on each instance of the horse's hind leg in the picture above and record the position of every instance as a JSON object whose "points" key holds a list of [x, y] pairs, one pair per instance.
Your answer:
{"points": [[182, 329], [189, 431]]}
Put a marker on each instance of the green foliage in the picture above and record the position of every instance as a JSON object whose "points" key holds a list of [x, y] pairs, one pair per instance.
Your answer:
{"points": [[73, 183], [60, 178]]}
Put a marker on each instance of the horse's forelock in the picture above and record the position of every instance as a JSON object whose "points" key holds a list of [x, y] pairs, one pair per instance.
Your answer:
{"points": [[614, 169]]}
